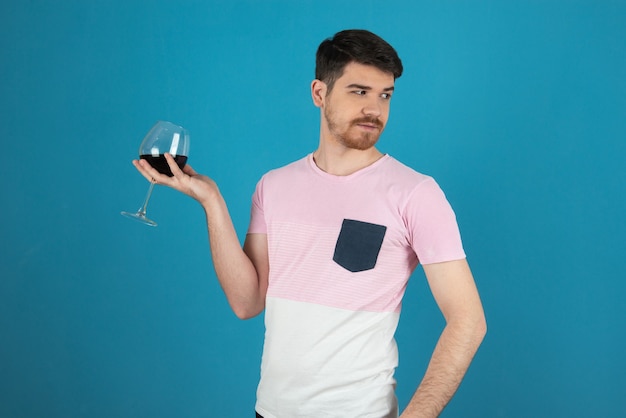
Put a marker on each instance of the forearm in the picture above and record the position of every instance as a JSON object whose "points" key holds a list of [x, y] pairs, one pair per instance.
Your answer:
{"points": [[235, 271], [450, 360]]}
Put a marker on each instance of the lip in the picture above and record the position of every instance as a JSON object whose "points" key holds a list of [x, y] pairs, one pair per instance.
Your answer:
{"points": [[368, 126]]}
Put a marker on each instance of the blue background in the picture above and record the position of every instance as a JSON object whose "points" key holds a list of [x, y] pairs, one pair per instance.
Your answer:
{"points": [[517, 108]]}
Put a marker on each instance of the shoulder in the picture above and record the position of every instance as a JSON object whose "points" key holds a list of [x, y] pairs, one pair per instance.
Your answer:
{"points": [[285, 177], [414, 191], [288, 170], [401, 175]]}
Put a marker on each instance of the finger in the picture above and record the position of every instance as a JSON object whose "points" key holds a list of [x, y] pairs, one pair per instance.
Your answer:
{"points": [[138, 165], [187, 169], [176, 171], [149, 172], [144, 168]]}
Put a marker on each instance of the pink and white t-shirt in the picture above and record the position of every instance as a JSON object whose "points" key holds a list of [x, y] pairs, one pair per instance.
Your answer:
{"points": [[341, 250]]}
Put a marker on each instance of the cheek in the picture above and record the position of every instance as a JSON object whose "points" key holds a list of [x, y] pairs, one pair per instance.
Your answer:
{"points": [[384, 115]]}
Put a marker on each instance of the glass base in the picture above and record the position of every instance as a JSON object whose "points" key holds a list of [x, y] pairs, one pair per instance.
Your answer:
{"points": [[140, 217]]}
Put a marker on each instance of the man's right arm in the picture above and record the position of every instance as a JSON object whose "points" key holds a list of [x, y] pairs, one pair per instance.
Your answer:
{"points": [[242, 272]]}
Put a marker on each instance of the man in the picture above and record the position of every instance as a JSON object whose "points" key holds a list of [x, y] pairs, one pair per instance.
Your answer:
{"points": [[332, 241]]}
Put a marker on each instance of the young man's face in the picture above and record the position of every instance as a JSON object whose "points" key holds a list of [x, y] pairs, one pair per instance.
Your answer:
{"points": [[357, 108]]}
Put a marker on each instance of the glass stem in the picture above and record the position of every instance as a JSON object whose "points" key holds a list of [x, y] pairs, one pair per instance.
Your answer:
{"points": [[142, 211]]}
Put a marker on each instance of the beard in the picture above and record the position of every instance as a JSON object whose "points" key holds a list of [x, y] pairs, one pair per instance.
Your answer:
{"points": [[350, 135]]}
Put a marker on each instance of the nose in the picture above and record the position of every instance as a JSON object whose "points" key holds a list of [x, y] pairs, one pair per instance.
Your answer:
{"points": [[372, 108]]}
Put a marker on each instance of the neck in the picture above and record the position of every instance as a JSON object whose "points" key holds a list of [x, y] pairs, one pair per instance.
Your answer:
{"points": [[340, 161]]}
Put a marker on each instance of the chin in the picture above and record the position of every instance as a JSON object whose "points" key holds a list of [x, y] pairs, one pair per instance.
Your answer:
{"points": [[361, 144]]}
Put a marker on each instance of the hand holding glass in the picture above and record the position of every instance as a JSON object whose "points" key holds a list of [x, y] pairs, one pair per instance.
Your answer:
{"points": [[164, 137]]}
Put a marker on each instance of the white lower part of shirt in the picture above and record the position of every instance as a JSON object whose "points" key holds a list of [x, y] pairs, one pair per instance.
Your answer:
{"points": [[327, 362]]}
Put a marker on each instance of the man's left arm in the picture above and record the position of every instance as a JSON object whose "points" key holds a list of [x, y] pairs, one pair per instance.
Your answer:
{"points": [[454, 290]]}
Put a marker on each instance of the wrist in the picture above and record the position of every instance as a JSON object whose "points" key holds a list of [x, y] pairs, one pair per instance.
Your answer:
{"points": [[210, 199]]}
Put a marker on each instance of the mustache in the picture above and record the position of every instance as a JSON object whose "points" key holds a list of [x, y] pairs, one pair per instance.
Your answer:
{"points": [[368, 120]]}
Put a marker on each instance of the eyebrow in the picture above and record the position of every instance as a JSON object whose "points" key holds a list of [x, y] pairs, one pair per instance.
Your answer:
{"points": [[362, 87]]}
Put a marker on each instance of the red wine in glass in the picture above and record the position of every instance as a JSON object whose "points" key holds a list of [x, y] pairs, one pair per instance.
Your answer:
{"points": [[163, 137], [160, 163]]}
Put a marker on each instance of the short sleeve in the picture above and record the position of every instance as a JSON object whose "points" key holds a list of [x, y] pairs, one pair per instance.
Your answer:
{"points": [[257, 217], [433, 230]]}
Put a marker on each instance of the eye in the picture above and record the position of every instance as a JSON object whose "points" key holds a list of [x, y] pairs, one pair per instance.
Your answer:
{"points": [[386, 96], [359, 92]]}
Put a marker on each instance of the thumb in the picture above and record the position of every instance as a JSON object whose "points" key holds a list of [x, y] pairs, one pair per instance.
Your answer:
{"points": [[187, 169]]}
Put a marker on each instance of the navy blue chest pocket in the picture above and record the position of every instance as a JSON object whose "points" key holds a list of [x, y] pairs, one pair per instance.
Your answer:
{"points": [[358, 245]]}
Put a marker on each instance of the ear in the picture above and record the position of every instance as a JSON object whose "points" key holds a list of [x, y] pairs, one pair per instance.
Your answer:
{"points": [[318, 92]]}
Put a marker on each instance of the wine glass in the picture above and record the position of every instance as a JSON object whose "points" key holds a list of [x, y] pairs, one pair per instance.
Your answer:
{"points": [[163, 137]]}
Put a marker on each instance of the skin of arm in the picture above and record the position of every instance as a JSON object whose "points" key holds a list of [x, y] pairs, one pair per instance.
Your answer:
{"points": [[454, 290], [242, 272]]}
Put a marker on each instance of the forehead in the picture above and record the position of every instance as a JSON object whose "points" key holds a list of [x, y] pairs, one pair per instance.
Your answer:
{"points": [[365, 75]]}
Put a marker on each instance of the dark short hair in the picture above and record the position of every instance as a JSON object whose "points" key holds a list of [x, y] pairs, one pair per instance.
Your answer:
{"points": [[354, 45]]}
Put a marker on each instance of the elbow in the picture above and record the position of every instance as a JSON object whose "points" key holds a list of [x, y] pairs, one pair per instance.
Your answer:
{"points": [[243, 315], [483, 329], [245, 312], [245, 306], [471, 329], [480, 328]]}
